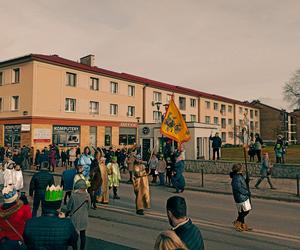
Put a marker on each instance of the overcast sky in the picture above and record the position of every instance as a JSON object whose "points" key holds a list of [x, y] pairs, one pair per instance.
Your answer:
{"points": [[236, 48]]}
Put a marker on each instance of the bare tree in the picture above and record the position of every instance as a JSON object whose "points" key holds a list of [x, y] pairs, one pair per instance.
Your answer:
{"points": [[291, 90]]}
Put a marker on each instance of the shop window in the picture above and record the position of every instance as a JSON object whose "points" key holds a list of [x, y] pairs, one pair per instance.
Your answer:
{"points": [[131, 90], [16, 76], [114, 87], [66, 136], [12, 135], [94, 83], [107, 139], [71, 79], [127, 136]]}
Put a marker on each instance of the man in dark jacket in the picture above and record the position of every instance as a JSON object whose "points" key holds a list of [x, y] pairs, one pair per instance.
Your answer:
{"points": [[51, 230], [216, 145], [38, 185], [182, 225], [178, 180]]}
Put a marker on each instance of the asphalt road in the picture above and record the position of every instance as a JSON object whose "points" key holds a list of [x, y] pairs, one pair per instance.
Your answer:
{"points": [[116, 226]]}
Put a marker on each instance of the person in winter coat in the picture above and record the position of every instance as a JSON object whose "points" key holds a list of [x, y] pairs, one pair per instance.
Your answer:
{"points": [[78, 208], [63, 156], [265, 171], [161, 169], [8, 173], [52, 158], [38, 185], [114, 176], [13, 216], [241, 195], [216, 145], [86, 161], [95, 179], [178, 180], [67, 182], [258, 146], [18, 178]]}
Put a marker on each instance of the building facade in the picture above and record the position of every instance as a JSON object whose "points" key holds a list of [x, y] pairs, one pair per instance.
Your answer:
{"points": [[49, 99]]}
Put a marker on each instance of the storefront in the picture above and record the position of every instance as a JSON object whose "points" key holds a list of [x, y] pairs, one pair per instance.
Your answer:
{"points": [[66, 136], [12, 135], [127, 136]]}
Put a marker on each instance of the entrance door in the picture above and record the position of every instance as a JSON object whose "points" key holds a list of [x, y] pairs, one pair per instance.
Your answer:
{"points": [[146, 149]]}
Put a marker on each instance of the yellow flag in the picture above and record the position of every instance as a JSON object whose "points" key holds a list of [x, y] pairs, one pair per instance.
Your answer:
{"points": [[174, 126]]}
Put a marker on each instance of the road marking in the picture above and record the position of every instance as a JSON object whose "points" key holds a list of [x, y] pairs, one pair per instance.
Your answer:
{"points": [[256, 232]]}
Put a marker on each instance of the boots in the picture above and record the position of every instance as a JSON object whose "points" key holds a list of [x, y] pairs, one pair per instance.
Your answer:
{"points": [[237, 225], [115, 189], [245, 227]]}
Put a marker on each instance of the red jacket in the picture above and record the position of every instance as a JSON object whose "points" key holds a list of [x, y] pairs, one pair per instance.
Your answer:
{"points": [[17, 215]]}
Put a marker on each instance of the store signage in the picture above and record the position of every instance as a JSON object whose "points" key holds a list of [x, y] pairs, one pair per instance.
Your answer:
{"points": [[66, 136], [41, 135], [128, 125], [25, 127]]}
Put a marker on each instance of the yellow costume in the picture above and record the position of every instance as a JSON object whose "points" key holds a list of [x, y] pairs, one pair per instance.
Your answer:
{"points": [[104, 197]]}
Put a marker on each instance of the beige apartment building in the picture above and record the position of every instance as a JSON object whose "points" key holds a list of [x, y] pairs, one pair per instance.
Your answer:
{"points": [[49, 99]]}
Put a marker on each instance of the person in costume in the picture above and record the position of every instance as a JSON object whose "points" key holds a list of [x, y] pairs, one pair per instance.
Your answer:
{"points": [[13, 216], [8, 173], [95, 178], [140, 186], [104, 195], [178, 180], [51, 230], [18, 178], [241, 196], [38, 185], [78, 208], [86, 160], [114, 176]]}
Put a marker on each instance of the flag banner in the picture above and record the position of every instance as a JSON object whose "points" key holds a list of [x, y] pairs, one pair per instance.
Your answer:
{"points": [[173, 125]]}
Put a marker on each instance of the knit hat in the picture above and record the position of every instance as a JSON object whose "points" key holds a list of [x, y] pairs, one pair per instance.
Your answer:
{"points": [[9, 194], [80, 184]]}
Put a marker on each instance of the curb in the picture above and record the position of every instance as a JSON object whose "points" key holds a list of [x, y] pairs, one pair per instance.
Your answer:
{"points": [[291, 199]]}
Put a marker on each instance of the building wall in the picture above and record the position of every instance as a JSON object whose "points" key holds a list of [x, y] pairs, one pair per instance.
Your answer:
{"points": [[23, 89], [150, 106], [50, 91]]}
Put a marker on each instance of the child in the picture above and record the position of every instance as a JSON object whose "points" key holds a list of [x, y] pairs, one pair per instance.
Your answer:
{"points": [[18, 178], [78, 207], [161, 169], [114, 176], [265, 171]]}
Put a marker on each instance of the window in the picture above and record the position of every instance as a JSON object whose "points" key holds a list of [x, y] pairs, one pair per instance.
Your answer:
{"points": [[157, 116], [193, 102], [207, 103], [16, 75], [131, 111], [70, 105], [71, 79], [246, 111], [1, 78], [223, 123], [240, 110], [216, 106], [256, 125], [223, 109], [113, 109], [169, 97], [251, 113], [94, 107], [15, 103], [94, 83], [131, 90], [108, 133], [229, 121], [182, 103], [216, 120], [256, 113], [207, 119], [1, 104], [251, 125], [230, 135], [156, 96], [223, 136], [127, 136], [230, 109], [193, 118], [184, 116], [114, 87]]}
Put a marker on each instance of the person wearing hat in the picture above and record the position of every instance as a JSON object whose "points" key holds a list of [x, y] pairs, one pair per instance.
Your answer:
{"points": [[78, 208], [51, 230], [114, 176], [38, 185], [13, 216], [140, 186]]}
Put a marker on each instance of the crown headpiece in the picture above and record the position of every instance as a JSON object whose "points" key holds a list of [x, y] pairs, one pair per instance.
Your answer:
{"points": [[54, 193]]}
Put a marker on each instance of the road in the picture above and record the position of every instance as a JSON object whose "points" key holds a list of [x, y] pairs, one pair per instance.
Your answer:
{"points": [[116, 226]]}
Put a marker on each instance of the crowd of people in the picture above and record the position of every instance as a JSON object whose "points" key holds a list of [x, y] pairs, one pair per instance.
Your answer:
{"points": [[86, 181]]}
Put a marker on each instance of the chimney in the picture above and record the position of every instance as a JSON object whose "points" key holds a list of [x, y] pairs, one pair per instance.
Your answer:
{"points": [[88, 60]]}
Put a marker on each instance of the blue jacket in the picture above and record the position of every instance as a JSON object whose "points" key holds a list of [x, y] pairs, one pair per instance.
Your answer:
{"points": [[216, 141], [239, 187], [67, 179]]}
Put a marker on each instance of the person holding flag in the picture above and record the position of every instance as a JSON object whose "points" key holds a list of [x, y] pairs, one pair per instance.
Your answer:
{"points": [[174, 127]]}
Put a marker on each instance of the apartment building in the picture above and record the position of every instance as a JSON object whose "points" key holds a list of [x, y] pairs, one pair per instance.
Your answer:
{"points": [[48, 99]]}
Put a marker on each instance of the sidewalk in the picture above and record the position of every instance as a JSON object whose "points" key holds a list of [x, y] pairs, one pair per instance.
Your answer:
{"points": [[286, 189]]}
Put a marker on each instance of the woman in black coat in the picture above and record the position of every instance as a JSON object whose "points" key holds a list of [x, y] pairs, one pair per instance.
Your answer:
{"points": [[95, 179]]}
